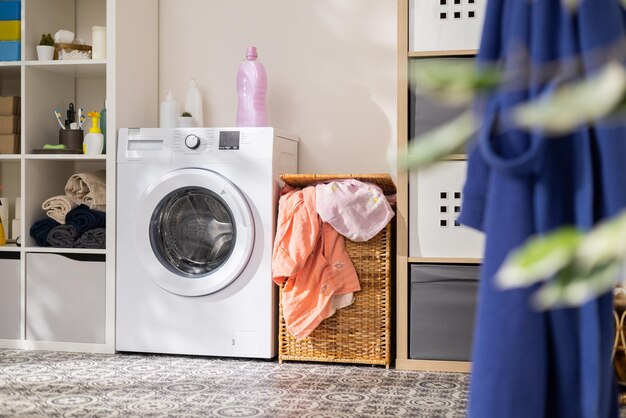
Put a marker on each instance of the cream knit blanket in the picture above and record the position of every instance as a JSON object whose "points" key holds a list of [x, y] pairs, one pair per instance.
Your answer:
{"points": [[57, 207], [88, 189]]}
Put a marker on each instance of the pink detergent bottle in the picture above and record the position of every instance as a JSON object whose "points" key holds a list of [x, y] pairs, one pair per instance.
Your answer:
{"points": [[251, 89]]}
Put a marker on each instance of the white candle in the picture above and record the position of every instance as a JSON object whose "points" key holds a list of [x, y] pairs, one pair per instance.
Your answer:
{"points": [[98, 42]]}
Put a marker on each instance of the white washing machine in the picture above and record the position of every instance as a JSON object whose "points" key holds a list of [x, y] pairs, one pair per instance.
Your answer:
{"points": [[196, 210]]}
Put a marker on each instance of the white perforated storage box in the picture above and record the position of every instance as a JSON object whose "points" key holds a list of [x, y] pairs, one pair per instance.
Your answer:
{"points": [[10, 296], [445, 25], [65, 298], [435, 195]]}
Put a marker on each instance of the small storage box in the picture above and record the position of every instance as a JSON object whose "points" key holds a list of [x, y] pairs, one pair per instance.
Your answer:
{"points": [[440, 25], [9, 124], [10, 30], [9, 144], [442, 308], [361, 332], [10, 50], [435, 198], [9, 105], [65, 299], [10, 10], [10, 295]]}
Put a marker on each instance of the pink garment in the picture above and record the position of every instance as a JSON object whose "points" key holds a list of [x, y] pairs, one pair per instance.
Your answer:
{"points": [[312, 258], [357, 210]]}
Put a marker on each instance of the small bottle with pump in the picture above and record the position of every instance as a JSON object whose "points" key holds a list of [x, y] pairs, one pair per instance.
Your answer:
{"points": [[94, 140]]}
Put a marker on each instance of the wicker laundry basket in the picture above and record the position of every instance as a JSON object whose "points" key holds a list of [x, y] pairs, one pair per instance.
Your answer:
{"points": [[361, 332]]}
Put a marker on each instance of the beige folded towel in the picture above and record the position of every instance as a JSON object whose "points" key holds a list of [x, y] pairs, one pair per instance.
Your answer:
{"points": [[57, 207], [88, 189]]}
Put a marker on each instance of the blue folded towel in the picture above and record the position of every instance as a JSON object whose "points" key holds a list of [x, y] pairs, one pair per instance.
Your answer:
{"points": [[94, 238], [83, 219], [40, 230], [63, 236]]}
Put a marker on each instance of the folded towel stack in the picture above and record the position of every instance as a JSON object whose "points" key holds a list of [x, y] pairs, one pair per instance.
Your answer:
{"points": [[77, 218]]}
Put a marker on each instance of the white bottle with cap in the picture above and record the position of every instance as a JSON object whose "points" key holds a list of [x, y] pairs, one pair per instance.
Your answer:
{"points": [[169, 113], [193, 103]]}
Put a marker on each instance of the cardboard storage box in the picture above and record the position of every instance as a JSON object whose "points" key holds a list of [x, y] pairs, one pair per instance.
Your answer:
{"points": [[9, 144], [9, 124], [9, 105]]}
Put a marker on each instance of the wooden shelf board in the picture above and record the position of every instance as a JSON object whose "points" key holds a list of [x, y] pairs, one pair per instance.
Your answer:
{"points": [[56, 250], [72, 68], [438, 260], [434, 365], [452, 53]]}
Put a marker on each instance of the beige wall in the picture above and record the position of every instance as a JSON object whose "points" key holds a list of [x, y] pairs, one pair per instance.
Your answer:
{"points": [[331, 68]]}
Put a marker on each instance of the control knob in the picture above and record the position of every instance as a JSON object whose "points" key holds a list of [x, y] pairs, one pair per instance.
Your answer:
{"points": [[192, 141]]}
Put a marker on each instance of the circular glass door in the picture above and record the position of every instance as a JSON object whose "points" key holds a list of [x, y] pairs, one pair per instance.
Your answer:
{"points": [[194, 232]]}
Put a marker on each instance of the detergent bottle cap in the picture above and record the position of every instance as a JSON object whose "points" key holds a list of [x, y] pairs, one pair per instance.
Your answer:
{"points": [[95, 122]]}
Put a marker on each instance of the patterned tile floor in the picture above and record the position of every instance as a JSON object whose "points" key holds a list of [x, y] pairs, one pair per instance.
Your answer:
{"points": [[51, 384]]}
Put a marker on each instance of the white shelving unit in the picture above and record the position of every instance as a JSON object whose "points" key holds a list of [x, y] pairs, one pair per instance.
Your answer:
{"points": [[44, 86]]}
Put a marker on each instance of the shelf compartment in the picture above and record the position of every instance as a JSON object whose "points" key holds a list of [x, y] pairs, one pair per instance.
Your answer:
{"points": [[44, 179], [65, 298], [10, 296], [10, 179]]}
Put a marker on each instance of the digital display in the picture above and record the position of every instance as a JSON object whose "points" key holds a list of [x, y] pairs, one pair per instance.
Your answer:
{"points": [[229, 140]]}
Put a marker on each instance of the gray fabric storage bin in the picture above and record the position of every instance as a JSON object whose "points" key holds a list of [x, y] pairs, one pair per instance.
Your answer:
{"points": [[442, 308], [10, 296]]}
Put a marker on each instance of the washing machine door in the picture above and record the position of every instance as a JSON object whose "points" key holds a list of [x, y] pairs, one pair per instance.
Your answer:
{"points": [[194, 232]]}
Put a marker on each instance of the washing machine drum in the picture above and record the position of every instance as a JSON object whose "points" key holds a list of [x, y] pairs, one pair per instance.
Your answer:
{"points": [[199, 234], [192, 231]]}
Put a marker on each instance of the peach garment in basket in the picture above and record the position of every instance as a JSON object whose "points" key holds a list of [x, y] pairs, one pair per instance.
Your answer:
{"points": [[311, 257]]}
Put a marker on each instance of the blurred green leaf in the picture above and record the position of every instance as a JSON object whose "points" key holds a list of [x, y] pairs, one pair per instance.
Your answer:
{"points": [[604, 244], [539, 258], [436, 144], [576, 288], [575, 104], [453, 81]]}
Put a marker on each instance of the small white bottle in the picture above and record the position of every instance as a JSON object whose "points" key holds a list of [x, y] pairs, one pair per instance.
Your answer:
{"points": [[169, 113], [98, 42], [193, 103]]}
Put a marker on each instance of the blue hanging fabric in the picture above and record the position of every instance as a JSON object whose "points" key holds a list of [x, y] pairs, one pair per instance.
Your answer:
{"points": [[556, 363]]}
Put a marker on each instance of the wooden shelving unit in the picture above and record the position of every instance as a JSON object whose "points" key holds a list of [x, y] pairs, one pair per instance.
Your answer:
{"points": [[402, 246]]}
